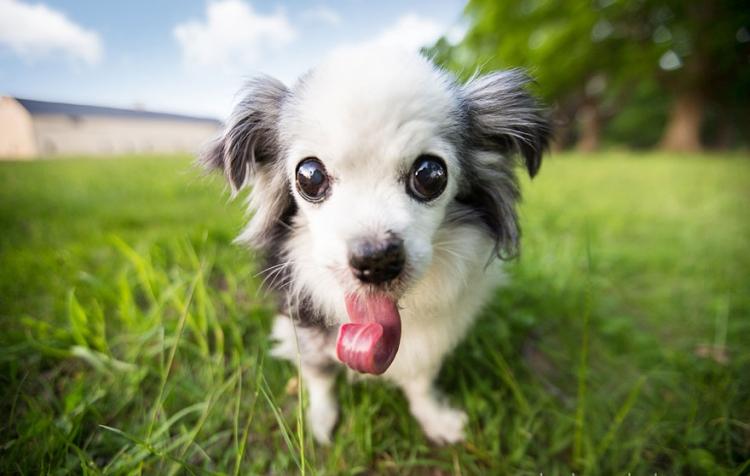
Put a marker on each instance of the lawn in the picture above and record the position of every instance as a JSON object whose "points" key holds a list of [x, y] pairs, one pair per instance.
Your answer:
{"points": [[134, 333]]}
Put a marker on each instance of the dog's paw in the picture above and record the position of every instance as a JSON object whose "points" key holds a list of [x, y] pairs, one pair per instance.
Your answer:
{"points": [[444, 425], [321, 419]]}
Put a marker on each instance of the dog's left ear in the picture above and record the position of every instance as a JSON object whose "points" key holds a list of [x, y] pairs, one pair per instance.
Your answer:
{"points": [[502, 120], [505, 118]]}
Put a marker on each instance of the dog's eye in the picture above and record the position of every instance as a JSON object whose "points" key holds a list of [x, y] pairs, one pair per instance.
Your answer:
{"points": [[312, 180], [428, 178]]}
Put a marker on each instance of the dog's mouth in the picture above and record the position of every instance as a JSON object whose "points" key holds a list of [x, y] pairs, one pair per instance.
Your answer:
{"points": [[369, 342]]}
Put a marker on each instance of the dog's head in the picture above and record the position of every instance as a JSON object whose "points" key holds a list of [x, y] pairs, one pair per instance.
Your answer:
{"points": [[356, 168]]}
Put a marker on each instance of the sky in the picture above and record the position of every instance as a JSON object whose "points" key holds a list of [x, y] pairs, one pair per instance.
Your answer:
{"points": [[192, 57]]}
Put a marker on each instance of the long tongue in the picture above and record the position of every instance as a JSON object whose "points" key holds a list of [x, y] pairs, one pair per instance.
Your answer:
{"points": [[369, 343]]}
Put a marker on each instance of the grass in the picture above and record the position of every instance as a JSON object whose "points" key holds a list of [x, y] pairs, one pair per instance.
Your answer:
{"points": [[134, 336]]}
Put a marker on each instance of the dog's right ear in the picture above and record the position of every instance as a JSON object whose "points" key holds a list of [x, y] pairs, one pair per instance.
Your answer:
{"points": [[250, 140]]}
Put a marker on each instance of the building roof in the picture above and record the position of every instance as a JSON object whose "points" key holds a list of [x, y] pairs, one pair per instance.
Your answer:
{"points": [[78, 110]]}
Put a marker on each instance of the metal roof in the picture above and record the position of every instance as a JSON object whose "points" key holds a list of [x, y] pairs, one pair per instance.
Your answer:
{"points": [[77, 110]]}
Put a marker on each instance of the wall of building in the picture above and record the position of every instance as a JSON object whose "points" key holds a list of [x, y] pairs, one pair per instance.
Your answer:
{"points": [[98, 135], [16, 131]]}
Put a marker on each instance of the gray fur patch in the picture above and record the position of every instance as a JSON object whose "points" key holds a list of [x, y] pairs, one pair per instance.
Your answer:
{"points": [[250, 139], [504, 117], [501, 120], [250, 151]]}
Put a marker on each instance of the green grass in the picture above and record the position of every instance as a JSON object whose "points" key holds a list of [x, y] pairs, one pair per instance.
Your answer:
{"points": [[134, 337]]}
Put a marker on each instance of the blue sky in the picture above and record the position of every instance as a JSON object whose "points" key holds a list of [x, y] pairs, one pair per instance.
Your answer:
{"points": [[192, 56]]}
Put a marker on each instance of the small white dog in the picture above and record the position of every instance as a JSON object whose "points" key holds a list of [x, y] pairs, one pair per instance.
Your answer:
{"points": [[381, 189]]}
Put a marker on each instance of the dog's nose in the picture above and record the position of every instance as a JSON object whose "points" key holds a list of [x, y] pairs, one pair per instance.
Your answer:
{"points": [[377, 261]]}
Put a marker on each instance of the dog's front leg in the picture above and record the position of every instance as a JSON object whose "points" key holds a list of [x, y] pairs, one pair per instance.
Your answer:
{"points": [[323, 409], [312, 350], [441, 423]]}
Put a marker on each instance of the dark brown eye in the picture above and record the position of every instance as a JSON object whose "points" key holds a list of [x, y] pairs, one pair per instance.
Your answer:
{"points": [[312, 180], [428, 178]]}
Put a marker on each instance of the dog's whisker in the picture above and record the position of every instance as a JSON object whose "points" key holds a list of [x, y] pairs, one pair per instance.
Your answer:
{"points": [[269, 269]]}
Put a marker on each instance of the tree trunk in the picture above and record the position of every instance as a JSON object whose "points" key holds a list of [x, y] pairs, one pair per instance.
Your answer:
{"points": [[726, 136], [590, 120], [562, 131], [682, 133]]}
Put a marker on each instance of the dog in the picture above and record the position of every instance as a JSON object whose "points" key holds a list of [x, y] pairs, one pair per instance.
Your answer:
{"points": [[381, 192]]}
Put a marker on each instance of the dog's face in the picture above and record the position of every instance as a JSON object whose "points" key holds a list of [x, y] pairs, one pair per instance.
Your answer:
{"points": [[358, 166], [372, 162]]}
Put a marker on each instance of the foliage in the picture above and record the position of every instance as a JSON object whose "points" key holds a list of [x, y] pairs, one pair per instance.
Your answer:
{"points": [[134, 336], [607, 53]]}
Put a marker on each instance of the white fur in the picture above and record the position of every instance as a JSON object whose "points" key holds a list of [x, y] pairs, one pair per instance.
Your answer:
{"points": [[367, 118], [435, 314]]}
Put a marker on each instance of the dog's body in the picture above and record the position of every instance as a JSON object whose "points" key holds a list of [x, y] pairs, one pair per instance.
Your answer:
{"points": [[381, 191], [436, 315]]}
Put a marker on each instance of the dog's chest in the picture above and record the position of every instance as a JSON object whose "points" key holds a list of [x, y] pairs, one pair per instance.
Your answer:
{"points": [[438, 317]]}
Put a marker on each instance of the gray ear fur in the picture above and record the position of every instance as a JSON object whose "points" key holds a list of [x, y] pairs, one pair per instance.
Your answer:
{"points": [[504, 117], [250, 139], [502, 120], [250, 149]]}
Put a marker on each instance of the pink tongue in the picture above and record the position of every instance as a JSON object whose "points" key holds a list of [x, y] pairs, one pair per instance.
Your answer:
{"points": [[369, 343]]}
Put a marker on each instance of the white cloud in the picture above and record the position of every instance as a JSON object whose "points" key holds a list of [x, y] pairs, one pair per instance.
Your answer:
{"points": [[35, 31], [410, 32], [323, 14], [232, 35]]}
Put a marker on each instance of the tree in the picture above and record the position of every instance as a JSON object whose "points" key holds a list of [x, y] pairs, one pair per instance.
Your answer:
{"points": [[568, 46], [704, 48], [590, 58]]}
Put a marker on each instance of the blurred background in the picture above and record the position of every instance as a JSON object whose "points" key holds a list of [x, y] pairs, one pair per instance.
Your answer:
{"points": [[636, 74], [134, 333]]}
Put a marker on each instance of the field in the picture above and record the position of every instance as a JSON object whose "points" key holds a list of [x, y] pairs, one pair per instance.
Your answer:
{"points": [[134, 334]]}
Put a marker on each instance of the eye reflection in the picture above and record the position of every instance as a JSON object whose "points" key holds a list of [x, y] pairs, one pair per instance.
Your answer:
{"points": [[428, 178], [312, 180]]}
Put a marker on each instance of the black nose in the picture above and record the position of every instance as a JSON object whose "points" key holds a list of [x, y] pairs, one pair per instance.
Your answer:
{"points": [[377, 261]]}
